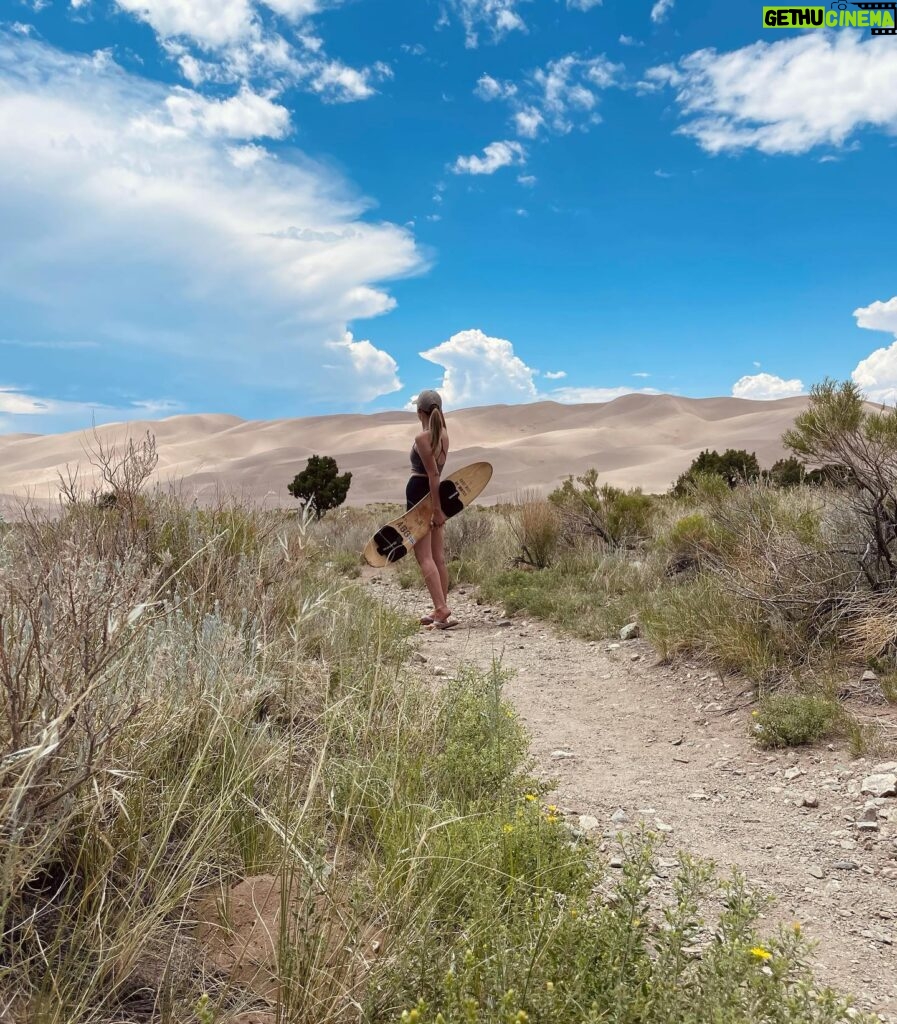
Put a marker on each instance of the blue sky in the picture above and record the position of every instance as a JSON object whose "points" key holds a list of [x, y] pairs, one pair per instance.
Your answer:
{"points": [[292, 207]]}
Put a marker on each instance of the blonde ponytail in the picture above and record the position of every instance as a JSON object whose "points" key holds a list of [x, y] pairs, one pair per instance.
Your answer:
{"points": [[437, 426]]}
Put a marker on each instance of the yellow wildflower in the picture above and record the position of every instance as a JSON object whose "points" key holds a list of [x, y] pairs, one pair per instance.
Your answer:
{"points": [[796, 927], [530, 797], [522, 1017], [760, 953], [507, 829], [552, 809], [551, 817]]}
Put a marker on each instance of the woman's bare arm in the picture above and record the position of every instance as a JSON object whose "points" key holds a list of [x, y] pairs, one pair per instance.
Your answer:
{"points": [[429, 460]]}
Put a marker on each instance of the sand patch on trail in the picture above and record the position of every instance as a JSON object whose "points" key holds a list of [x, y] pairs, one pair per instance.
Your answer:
{"points": [[670, 746]]}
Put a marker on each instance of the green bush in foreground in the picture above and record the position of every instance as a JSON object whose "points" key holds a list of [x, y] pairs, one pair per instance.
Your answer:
{"points": [[795, 719], [536, 953]]}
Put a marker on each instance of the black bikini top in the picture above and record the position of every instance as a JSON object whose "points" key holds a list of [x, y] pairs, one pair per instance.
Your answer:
{"points": [[417, 463]]}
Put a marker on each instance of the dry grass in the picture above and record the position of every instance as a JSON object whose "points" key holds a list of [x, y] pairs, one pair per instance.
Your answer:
{"points": [[221, 792]]}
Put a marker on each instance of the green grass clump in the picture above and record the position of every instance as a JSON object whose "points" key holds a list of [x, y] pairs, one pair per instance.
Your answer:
{"points": [[700, 616], [795, 719], [589, 594]]}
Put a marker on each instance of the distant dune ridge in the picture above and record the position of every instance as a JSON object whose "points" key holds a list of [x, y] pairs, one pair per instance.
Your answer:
{"points": [[636, 440]]}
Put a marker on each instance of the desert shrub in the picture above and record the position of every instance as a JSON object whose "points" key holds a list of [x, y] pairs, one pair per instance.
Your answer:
{"points": [[689, 540], [734, 467], [795, 719], [838, 431], [482, 748], [407, 573], [536, 530], [616, 517], [773, 565], [345, 531], [468, 536]]}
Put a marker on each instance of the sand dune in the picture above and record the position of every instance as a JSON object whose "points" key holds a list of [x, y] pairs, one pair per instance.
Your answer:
{"points": [[636, 440]]}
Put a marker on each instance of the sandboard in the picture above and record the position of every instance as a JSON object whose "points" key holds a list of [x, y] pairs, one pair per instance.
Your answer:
{"points": [[394, 540]]}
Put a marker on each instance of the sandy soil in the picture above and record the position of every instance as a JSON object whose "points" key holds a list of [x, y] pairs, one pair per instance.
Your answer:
{"points": [[671, 745], [636, 440]]}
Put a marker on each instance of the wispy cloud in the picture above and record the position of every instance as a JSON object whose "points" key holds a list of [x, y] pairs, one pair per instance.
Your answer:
{"points": [[18, 343], [230, 41], [495, 17], [495, 156], [661, 9], [836, 83], [558, 97]]}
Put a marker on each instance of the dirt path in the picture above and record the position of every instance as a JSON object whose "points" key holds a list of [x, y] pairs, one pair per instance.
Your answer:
{"points": [[670, 746]]}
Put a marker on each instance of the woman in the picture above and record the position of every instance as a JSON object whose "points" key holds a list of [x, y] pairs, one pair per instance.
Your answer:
{"points": [[428, 455]]}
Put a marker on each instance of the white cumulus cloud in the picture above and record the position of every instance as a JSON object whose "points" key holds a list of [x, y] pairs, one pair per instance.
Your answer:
{"points": [[878, 316], [766, 386], [212, 23], [809, 90], [376, 371], [339, 83], [244, 116], [583, 5], [480, 370], [495, 156], [877, 373], [128, 227]]}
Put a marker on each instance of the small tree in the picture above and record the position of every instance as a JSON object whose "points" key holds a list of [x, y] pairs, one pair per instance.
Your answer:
{"points": [[790, 472], [321, 484], [735, 466], [620, 518], [857, 449]]}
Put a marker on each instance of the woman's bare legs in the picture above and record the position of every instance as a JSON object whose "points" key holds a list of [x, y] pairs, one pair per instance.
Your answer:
{"points": [[437, 544], [423, 552]]}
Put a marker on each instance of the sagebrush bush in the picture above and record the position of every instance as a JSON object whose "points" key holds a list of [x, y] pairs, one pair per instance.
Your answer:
{"points": [[608, 514], [536, 529], [795, 719]]}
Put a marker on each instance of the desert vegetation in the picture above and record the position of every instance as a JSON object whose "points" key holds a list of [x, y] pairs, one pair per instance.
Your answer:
{"points": [[785, 575], [226, 797]]}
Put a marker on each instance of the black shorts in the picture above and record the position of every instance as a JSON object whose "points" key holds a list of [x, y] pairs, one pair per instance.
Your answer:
{"points": [[418, 488]]}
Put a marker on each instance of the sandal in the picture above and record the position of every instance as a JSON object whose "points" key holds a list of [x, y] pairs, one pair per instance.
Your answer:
{"points": [[427, 620], [448, 623]]}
